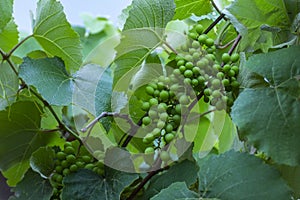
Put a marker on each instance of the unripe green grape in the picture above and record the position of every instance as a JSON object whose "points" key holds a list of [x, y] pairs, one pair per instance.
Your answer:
{"points": [[225, 82], [87, 159], [164, 156], [210, 57], [193, 35], [230, 102], [202, 38], [226, 58], [217, 67], [156, 132], [214, 101], [184, 47], [177, 119], [235, 57], [66, 172], [59, 178], [211, 49], [169, 128], [149, 90], [231, 73], [73, 168], [160, 123], [225, 99], [220, 75], [189, 65], [182, 69], [195, 82], [145, 106], [196, 70], [154, 85], [174, 87], [178, 57], [153, 101], [215, 83], [188, 73], [146, 141], [71, 158], [146, 120], [69, 150], [226, 68], [150, 137], [164, 95], [235, 69], [178, 109], [67, 144], [187, 81], [58, 169], [160, 86], [216, 94], [189, 58], [220, 105], [163, 116], [156, 93], [201, 80], [89, 166], [199, 28], [235, 84], [60, 155], [195, 44], [162, 107], [176, 72], [65, 164], [80, 164], [169, 137], [192, 51], [196, 56], [209, 42], [149, 150], [180, 62], [201, 64], [207, 92], [152, 114]]}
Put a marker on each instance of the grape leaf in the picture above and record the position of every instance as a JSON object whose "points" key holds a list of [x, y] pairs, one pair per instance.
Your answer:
{"points": [[32, 187], [6, 10], [268, 114], [292, 176], [249, 16], [155, 13], [85, 184], [9, 36], [51, 79], [185, 171], [145, 20], [55, 35], [185, 8], [234, 175], [19, 138], [9, 85], [42, 161], [176, 191]]}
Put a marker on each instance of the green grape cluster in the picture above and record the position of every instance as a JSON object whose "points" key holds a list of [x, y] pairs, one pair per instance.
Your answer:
{"points": [[195, 72], [68, 161]]}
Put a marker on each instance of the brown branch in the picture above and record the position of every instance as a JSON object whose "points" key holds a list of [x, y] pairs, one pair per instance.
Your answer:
{"points": [[214, 23]]}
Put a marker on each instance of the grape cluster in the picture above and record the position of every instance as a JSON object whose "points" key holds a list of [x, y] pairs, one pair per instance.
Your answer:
{"points": [[68, 161], [195, 73]]}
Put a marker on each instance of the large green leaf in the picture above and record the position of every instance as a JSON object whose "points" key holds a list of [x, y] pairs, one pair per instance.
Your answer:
{"points": [[9, 36], [185, 8], [6, 10], [50, 79], [32, 187], [42, 161], [85, 184], [9, 85], [145, 20], [250, 16], [176, 191], [185, 171], [55, 35], [292, 176], [268, 114], [234, 175], [19, 138], [155, 13]]}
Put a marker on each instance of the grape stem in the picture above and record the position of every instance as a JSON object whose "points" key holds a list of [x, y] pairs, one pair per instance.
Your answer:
{"points": [[216, 7], [214, 23], [236, 42]]}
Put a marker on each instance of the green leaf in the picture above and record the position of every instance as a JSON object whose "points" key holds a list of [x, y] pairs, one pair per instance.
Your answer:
{"points": [[55, 35], [155, 13], [176, 191], [268, 115], [292, 176], [249, 16], [234, 175], [9, 36], [19, 138], [185, 8], [32, 187], [85, 184], [9, 85], [292, 7], [51, 79], [185, 171], [42, 161], [30, 45], [6, 10]]}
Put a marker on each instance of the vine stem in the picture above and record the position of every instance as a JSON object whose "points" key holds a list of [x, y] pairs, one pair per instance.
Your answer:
{"points": [[18, 45], [236, 42], [222, 15], [216, 7]]}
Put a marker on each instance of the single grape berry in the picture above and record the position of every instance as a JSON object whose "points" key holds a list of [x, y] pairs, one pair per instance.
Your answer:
{"points": [[145, 106], [164, 95], [146, 120], [153, 101], [69, 150], [209, 42], [60, 155], [189, 65], [188, 73], [235, 57], [71, 158], [164, 156], [152, 114], [149, 150], [169, 137], [150, 90], [226, 57], [202, 38], [195, 44], [199, 28]]}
